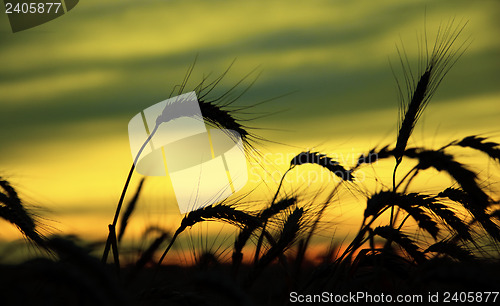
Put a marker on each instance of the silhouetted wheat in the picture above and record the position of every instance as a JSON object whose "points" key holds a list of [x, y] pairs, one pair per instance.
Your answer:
{"points": [[278, 207], [451, 249], [324, 161], [219, 111], [317, 159], [373, 156], [442, 161], [496, 214], [447, 233], [12, 210], [220, 212], [418, 94], [423, 220], [249, 229], [480, 214], [437, 65], [401, 239], [129, 210], [147, 255], [215, 111], [451, 221], [376, 203], [411, 203], [492, 149], [212, 113], [287, 236]]}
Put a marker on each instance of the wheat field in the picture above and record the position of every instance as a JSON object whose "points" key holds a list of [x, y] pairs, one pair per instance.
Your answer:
{"points": [[408, 211]]}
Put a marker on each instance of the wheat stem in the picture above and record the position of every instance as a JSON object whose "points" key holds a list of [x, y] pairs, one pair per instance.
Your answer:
{"points": [[112, 226]]}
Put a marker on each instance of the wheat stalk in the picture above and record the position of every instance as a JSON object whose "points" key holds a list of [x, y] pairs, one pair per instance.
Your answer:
{"points": [[287, 236], [392, 234], [437, 65], [492, 149], [479, 212], [12, 210], [248, 230], [442, 161], [324, 161], [451, 249], [211, 113], [219, 212], [373, 156]]}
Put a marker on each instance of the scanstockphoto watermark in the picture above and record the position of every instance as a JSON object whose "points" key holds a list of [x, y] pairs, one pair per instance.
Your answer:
{"points": [[467, 297], [354, 297], [300, 176], [266, 166], [26, 14]]}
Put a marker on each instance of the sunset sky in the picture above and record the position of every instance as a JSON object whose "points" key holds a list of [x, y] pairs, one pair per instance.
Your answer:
{"points": [[69, 87]]}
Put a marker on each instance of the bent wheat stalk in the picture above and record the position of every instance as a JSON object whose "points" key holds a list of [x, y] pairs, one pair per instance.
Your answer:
{"points": [[211, 113]]}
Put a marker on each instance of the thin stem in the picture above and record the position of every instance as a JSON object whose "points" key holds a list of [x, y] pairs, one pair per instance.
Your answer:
{"points": [[279, 186], [316, 221], [261, 237], [394, 190], [111, 227], [122, 196], [410, 180], [405, 177], [355, 243], [394, 176], [112, 233], [168, 247], [403, 222]]}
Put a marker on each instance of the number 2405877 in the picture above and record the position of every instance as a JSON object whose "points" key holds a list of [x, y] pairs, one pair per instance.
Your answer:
{"points": [[32, 8]]}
